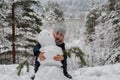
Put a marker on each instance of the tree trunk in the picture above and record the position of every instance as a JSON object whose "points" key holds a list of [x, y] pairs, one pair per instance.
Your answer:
{"points": [[13, 34]]}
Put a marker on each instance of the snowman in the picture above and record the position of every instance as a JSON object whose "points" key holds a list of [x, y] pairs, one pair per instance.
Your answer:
{"points": [[49, 68]]}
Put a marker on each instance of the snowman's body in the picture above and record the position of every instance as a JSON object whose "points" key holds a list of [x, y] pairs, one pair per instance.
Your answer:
{"points": [[49, 68]]}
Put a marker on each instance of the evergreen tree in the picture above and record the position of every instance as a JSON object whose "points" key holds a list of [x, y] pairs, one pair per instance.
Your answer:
{"points": [[28, 24], [78, 53], [103, 29], [21, 65], [27, 19], [52, 15], [5, 28]]}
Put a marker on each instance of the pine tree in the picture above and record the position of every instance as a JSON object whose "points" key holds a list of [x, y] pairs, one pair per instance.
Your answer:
{"points": [[5, 28], [52, 14], [21, 66], [28, 24], [103, 29], [78, 53]]}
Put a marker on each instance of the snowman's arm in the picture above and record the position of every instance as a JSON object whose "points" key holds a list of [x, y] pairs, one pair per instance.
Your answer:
{"points": [[36, 49]]}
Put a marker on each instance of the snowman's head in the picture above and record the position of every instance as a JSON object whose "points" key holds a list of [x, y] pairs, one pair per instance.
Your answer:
{"points": [[45, 38]]}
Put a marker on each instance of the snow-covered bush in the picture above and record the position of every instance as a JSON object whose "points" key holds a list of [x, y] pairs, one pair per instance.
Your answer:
{"points": [[104, 41]]}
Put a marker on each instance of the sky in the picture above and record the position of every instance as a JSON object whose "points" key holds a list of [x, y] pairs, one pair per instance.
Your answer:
{"points": [[108, 72]]}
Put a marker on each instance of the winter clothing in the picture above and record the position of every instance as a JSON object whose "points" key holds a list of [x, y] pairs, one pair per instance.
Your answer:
{"points": [[60, 29]]}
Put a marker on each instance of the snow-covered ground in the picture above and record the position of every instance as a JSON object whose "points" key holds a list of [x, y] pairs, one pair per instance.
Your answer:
{"points": [[108, 72]]}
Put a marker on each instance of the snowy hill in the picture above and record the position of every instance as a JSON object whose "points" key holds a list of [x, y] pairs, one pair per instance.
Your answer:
{"points": [[108, 72]]}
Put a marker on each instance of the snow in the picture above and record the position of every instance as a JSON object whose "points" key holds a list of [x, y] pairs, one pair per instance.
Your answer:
{"points": [[52, 73], [45, 38], [50, 52], [9, 72], [103, 14], [108, 72]]}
